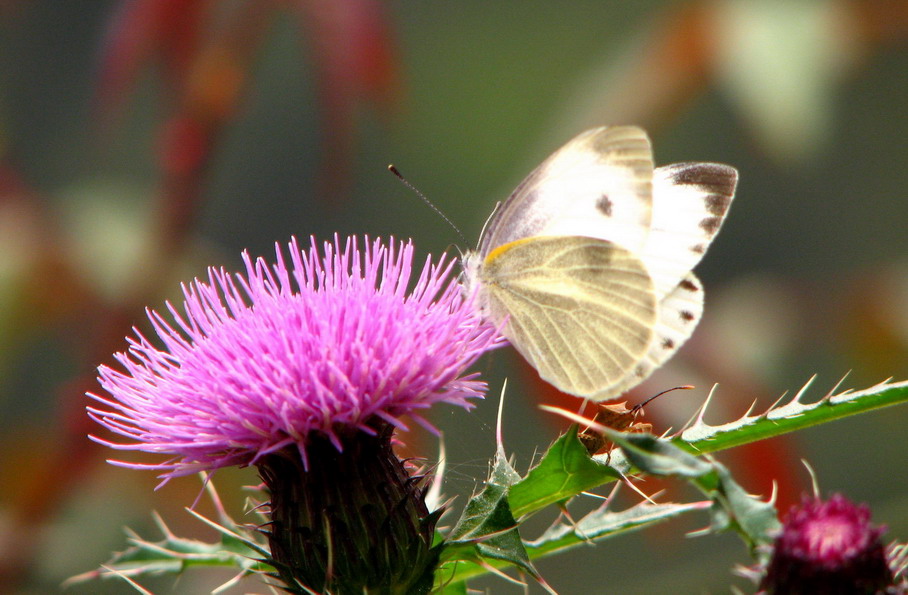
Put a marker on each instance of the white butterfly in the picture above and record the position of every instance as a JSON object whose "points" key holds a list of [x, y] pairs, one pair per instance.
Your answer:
{"points": [[587, 265]]}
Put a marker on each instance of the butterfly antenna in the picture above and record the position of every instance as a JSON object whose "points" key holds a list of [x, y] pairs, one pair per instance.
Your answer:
{"points": [[406, 183], [640, 406]]}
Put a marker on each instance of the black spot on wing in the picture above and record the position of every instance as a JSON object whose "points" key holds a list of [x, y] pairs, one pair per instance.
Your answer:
{"points": [[688, 285], [711, 225], [714, 175], [715, 180], [604, 205], [686, 316], [667, 343], [717, 204], [698, 249]]}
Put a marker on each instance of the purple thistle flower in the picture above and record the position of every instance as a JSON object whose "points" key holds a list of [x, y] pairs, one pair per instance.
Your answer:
{"points": [[334, 344], [829, 547]]}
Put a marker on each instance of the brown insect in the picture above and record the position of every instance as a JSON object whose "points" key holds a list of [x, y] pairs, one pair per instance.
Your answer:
{"points": [[617, 416]]}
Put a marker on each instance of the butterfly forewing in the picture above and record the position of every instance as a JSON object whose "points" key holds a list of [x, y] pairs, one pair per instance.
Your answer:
{"points": [[598, 185], [580, 310], [690, 201]]}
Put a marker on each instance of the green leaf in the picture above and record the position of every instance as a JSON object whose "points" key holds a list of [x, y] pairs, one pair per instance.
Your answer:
{"points": [[565, 470], [657, 457], [487, 528], [794, 415], [603, 523], [734, 509], [450, 588], [753, 519], [173, 555]]}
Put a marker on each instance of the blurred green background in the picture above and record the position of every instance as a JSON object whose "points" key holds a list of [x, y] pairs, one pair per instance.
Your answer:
{"points": [[142, 141]]}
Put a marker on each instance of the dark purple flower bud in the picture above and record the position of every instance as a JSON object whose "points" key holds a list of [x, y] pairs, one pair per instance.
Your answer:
{"points": [[831, 548]]}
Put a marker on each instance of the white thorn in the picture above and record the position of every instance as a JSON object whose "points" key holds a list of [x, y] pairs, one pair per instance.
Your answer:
{"points": [[751, 408], [574, 417], [813, 479], [433, 496], [498, 438], [688, 424], [500, 573], [625, 479], [774, 405], [797, 397], [705, 404], [611, 496], [839, 383]]}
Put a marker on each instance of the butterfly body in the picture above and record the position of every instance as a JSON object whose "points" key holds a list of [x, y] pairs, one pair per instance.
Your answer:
{"points": [[586, 266]]}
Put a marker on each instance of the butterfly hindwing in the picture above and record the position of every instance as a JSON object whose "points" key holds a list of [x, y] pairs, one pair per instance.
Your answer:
{"points": [[580, 310], [679, 313], [690, 201]]}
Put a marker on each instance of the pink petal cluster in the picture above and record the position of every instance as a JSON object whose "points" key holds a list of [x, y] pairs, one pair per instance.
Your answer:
{"points": [[828, 547], [828, 533], [259, 362]]}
